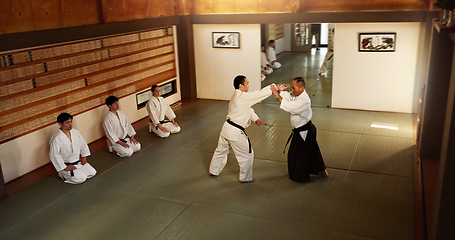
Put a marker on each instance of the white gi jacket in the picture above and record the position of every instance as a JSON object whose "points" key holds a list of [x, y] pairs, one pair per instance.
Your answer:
{"points": [[271, 56], [299, 107], [62, 150], [158, 109], [117, 128], [264, 61], [240, 111]]}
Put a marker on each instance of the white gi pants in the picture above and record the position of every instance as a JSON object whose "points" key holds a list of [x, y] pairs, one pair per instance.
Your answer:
{"points": [[241, 150], [121, 150], [327, 59], [267, 70], [276, 65], [263, 77], [160, 133], [82, 173]]}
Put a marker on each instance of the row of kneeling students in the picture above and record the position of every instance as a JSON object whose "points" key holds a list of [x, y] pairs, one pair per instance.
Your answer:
{"points": [[268, 59], [69, 150]]}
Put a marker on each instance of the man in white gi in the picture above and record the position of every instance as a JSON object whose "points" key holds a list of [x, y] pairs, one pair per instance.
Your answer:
{"points": [[119, 131], [271, 56], [304, 156], [69, 151], [233, 133], [330, 51], [266, 68], [158, 109]]}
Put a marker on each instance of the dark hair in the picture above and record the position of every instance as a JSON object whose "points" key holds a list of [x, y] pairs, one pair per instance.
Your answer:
{"points": [[153, 87], [300, 81], [111, 99], [271, 41], [63, 117], [240, 79]]}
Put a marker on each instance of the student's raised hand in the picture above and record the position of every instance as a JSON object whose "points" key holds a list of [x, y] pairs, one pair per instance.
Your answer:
{"points": [[281, 87], [274, 89]]}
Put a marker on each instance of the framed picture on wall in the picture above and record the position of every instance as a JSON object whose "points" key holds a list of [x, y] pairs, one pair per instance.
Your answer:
{"points": [[377, 42], [226, 39]]}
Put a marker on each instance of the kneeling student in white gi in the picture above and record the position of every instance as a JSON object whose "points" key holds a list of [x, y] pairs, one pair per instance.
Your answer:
{"points": [[119, 131], [69, 151], [158, 109], [271, 55]]}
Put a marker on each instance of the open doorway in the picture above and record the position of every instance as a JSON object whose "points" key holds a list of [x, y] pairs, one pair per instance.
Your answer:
{"points": [[301, 52]]}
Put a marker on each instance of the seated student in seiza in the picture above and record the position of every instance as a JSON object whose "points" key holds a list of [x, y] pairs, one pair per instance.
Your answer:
{"points": [[158, 109], [119, 131], [69, 151]]}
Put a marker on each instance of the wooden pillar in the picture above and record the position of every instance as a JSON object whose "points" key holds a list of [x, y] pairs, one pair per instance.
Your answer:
{"points": [[444, 210], [2, 184], [186, 58]]}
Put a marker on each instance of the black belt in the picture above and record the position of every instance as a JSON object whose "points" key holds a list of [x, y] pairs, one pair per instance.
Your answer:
{"points": [[243, 130], [73, 163], [297, 130], [161, 122], [124, 140]]}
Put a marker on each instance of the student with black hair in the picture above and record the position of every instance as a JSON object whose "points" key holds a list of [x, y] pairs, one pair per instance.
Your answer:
{"points": [[119, 131], [69, 151]]}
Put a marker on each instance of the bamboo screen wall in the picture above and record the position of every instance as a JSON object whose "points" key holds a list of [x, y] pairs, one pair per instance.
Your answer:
{"points": [[276, 31], [36, 85]]}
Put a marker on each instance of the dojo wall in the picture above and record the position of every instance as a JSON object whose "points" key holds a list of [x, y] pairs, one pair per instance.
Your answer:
{"points": [[217, 67], [28, 152], [379, 81]]}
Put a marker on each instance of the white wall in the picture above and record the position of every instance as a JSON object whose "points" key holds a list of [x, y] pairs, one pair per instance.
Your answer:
{"points": [[217, 67], [29, 152], [380, 81], [287, 40]]}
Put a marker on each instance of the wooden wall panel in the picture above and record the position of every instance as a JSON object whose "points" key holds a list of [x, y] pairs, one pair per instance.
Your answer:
{"points": [[161, 8], [3, 12], [202, 6], [348, 5], [73, 12], [92, 11], [47, 13], [18, 16], [37, 84], [378, 5], [317, 5], [411, 4], [183, 7], [290, 6], [223, 6], [114, 10], [246, 6], [265, 6], [136, 9]]}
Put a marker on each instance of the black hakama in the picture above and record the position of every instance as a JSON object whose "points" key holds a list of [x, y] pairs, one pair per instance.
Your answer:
{"points": [[304, 156]]}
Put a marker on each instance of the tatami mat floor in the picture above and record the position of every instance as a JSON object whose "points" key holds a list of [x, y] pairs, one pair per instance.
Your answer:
{"points": [[163, 191]]}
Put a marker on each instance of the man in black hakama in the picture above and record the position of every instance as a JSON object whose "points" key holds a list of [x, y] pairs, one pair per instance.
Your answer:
{"points": [[304, 155]]}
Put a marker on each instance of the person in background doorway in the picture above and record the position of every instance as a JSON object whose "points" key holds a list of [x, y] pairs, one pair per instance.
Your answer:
{"points": [[329, 56], [316, 32]]}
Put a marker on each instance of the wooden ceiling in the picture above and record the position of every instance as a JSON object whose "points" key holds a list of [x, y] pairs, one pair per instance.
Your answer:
{"points": [[29, 15]]}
